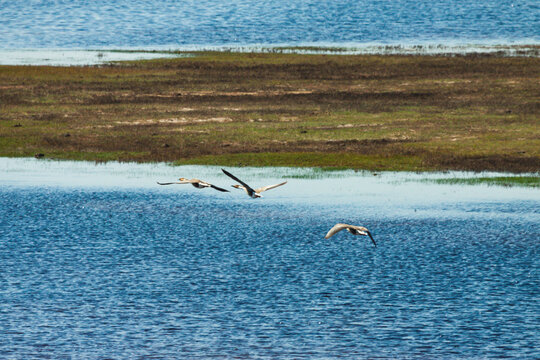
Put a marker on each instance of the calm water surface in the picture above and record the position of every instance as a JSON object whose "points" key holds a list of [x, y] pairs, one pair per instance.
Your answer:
{"points": [[98, 261], [137, 23]]}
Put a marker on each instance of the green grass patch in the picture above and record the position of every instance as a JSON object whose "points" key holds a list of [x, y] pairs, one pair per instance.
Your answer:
{"points": [[327, 161], [314, 49], [320, 173], [126, 156], [523, 181]]}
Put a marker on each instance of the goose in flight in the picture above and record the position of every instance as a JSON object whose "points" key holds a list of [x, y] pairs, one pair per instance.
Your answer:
{"points": [[355, 230], [199, 184], [254, 193]]}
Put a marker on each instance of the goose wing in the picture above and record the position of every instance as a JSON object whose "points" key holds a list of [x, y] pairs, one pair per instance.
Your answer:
{"points": [[359, 228], [177, 182], [248, 188], [218, 188], [337, 228], [264, 188], [363, 229], [371, 237]]}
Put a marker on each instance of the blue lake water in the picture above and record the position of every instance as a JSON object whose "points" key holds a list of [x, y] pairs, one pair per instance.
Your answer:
{"points": [[151, 24], [98, 261]]}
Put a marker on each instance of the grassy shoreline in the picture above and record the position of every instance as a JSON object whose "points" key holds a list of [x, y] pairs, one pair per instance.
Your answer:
{"points": [[506, 181], [372, 112]]}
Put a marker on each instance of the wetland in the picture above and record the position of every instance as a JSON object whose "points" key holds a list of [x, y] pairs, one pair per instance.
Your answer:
{"points": [[394, 112]]}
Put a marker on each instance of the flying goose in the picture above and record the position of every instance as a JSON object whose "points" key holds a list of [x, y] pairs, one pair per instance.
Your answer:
{"points": [[355, 230], [251, 192], [199, 184]]}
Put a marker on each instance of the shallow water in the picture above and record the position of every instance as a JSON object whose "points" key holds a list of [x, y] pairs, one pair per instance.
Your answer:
{"points": [[98, 260], [136, 23], [73, 57]]}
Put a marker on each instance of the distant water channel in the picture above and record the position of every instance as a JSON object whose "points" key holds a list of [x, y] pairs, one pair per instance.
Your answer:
{"points": [[143, 24], [98, 261]]}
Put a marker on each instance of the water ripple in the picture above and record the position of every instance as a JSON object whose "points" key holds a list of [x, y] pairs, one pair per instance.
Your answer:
{"points": [[83, 24], [92, 273]]}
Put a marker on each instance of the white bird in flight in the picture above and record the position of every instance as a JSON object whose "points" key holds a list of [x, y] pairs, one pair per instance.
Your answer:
{"points": [[355, 230], [254, 193], [199, 184]]}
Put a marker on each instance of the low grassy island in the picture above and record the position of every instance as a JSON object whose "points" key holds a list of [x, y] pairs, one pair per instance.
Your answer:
{"points": [[390, 112]]}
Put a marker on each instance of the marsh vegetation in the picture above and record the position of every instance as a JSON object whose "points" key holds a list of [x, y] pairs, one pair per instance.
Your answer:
{"points": [[372, 112], [507, 181]]}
